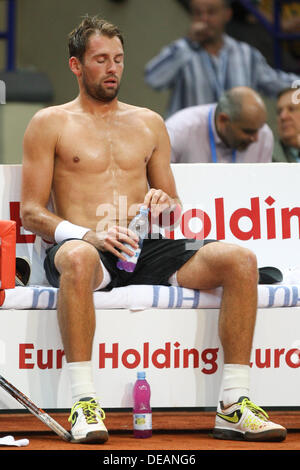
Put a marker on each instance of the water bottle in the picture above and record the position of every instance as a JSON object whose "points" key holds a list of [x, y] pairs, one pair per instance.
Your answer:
{"points": [[142, 414], [140, 226]]}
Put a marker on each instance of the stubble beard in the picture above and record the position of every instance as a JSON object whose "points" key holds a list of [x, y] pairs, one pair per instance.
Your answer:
{"points": [[98, 92]]}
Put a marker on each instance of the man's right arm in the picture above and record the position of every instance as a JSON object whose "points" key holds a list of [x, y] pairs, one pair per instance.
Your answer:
{"points": [[161, 71], [39, 147]]}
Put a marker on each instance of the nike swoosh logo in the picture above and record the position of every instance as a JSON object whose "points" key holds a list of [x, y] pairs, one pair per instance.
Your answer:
{"points": [[74, 418], [232, 419]]}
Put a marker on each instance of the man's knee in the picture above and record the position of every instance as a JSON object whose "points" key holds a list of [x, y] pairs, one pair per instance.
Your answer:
{"points": [[244, 264], [77, 259]]}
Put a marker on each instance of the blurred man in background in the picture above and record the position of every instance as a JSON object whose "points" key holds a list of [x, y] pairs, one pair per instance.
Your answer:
{"points": [[288, 125], [234, 130], [199, 67]]}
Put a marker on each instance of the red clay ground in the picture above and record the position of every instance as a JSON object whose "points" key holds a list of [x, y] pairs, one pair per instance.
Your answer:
{"points": [[171, 431]]}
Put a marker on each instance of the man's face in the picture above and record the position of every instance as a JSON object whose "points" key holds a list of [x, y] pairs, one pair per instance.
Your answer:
{"points": [[213, 15], [243, 132], [288, 119], [102, 67]]}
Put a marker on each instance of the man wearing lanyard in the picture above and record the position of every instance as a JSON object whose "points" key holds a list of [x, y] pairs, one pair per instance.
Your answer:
{"points": [[212, 138], [200, 66], [234, 130]]}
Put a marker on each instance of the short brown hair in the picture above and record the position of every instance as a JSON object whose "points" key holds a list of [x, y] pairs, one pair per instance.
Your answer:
{"points": [[78, 38]]}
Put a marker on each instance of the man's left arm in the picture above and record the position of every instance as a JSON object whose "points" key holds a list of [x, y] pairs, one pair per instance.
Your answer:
{"points": [[162, 194], [268, 80]]}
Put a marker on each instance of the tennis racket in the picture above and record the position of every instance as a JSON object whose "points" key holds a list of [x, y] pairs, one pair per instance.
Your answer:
{"points": [[38, 412]]}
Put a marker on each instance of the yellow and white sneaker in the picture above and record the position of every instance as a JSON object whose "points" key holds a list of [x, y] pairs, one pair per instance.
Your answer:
{"points": [[87, 422], [246, 421]]}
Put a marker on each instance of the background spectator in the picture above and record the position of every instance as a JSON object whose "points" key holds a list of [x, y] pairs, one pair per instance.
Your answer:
{"points": [[234, 130], [287, 149], [199, 67]]}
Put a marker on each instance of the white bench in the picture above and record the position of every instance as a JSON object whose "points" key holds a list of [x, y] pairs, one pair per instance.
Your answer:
{"points": [[169, 332]]}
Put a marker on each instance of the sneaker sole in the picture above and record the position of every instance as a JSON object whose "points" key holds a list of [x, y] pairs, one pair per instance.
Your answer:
{"points": [[94, 437], [274, 435]]}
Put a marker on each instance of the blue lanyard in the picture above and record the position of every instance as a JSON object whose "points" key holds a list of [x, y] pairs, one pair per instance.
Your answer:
{"points": [[212, 142], [217, 78]]}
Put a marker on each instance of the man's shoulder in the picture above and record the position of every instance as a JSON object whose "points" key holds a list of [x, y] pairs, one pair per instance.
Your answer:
{"points": [[266, 132], [53, 113], [265, 137], [233, 43], [47, 121], [280, 153], [146, 114], [191, 116], [138, 110]]}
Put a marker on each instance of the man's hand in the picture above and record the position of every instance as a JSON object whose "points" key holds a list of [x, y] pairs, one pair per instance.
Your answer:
{"points": [[113, 240], [165, 211], [198, 31], [158, 201]]}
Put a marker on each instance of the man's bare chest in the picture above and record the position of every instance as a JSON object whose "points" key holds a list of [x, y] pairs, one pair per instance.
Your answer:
{"points": [[100, 145]]}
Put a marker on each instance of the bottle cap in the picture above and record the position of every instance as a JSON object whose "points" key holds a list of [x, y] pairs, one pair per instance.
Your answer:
{"points": [[141, 375]]}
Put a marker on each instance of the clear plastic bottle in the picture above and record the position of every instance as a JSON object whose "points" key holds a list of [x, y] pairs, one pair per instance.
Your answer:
{"points": [[142, 413], [140, 226]]}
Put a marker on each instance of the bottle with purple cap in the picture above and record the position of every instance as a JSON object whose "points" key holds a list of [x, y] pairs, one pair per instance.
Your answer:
{"points": [[140, 226]]}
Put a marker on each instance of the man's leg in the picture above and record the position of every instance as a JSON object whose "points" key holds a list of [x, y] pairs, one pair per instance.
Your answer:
{"points": [[235, 269], [79, 266], [80, 273]]}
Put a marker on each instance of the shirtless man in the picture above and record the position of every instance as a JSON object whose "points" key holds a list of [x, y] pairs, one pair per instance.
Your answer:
{"points": [[86, 154]]}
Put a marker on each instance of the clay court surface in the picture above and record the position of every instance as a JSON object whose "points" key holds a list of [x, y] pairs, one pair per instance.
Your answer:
{"points": [[182, 433]]}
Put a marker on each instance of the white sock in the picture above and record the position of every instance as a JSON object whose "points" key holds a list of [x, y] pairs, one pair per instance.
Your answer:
{"points": [[236, 383], [81, 378]]}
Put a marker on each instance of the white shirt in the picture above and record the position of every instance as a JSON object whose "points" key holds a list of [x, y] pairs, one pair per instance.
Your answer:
{"points": [[189, 135]]}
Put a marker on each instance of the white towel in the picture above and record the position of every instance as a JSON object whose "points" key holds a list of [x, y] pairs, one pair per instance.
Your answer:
{"points": [[10, 441]]}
